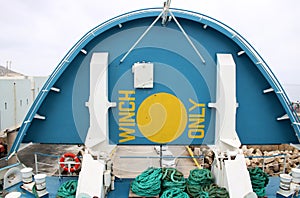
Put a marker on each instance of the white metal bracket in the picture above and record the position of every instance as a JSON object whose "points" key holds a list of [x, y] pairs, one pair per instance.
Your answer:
{"points": [[228, 157], [268, 90], [98, 103], [165, 12], [37, 116]]}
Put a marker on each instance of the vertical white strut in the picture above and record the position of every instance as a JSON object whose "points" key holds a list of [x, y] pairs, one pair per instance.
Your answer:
{"points": [[226, 137], [98, 103], [229, 167]]}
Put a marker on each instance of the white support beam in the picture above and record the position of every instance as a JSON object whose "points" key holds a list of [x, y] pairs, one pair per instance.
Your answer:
{"points": [[227, 142], [37, 116], [226, 136], [84, 51], [284, 117], [241, 53], [187, 38], [268, 90], [98, 103], [55, 89]]}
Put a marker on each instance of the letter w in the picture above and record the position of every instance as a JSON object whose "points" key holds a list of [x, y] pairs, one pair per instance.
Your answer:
{"points": [[126, 135]]}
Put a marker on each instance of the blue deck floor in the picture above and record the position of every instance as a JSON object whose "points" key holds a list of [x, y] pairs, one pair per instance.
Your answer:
{"points": [[53, 183], [121, 187], [272, 187]]}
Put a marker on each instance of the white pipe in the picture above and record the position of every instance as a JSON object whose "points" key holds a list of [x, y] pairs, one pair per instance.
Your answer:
{"points": [[187, 37], [141, 37]]}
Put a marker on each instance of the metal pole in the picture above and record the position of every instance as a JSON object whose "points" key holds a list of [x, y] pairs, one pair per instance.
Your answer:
{"points": [[160, 153], [187, 37], [36, 164], [58, 163], [15, 105], [284, 164], [141, 37]]}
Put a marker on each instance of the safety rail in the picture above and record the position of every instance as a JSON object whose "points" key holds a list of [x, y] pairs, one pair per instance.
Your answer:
{"points": [[52, 164], [6, 167], [125, 169], [264, 164], [131, 166]]}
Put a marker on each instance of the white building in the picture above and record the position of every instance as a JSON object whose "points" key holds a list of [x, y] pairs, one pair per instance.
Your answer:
{"points": [[17, 93]]}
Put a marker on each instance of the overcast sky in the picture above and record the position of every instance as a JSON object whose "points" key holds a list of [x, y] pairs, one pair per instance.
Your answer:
{"points": [[36, 34]]}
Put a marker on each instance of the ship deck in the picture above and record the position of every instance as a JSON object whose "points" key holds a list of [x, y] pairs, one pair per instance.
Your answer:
{"points": [[122, 187], [124, 173]]}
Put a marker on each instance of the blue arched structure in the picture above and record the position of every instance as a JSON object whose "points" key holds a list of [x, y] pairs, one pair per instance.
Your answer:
{"points": [[178, 70]]}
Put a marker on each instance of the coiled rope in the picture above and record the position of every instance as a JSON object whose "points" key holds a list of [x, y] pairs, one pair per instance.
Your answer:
{"points": [[172, 178], [215, 191], [200, 185], [174, 193], [147, 183], [67, 189], [197, 179], [259, 180]]}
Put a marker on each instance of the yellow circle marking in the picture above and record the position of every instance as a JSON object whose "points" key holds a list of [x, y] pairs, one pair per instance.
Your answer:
{"points": [[161, 118]]}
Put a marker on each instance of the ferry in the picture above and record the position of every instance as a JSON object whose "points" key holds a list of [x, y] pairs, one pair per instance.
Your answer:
{"points": [[154, 78]]}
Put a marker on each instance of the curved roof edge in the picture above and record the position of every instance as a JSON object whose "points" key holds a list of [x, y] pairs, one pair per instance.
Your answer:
{"points": [[150, 12]]}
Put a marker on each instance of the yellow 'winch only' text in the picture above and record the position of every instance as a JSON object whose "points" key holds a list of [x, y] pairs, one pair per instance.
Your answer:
{"points": [[126, 107], [127, 117], [196, 120]]}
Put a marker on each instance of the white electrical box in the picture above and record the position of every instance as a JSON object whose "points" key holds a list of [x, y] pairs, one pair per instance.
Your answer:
{"points": [[143, 75]]}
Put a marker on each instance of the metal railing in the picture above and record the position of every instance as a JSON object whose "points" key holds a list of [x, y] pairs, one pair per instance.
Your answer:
{"points": [[263, 159], [131, 166], [51, 164]]}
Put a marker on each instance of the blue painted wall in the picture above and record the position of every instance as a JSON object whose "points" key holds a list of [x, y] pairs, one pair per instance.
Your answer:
{"points": [[177, 70]]}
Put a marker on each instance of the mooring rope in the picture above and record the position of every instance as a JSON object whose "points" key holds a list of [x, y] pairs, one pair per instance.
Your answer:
{"points": [[169, 182], [200, 184], [172, 178], [147, 183], [259, 181], [67, 189], [197, 179], [174, 193]]}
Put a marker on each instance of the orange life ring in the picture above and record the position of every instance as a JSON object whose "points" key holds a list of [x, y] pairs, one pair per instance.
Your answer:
{"points": [[73, 167]]}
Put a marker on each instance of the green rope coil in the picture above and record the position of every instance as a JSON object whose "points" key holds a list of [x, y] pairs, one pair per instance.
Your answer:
{"points": [[215, 191], [67, 189], [202, 194], [259, 180], [200, 184], [200, 176], [174, 193], [172, 178], [197, 179], [147, 183]]}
